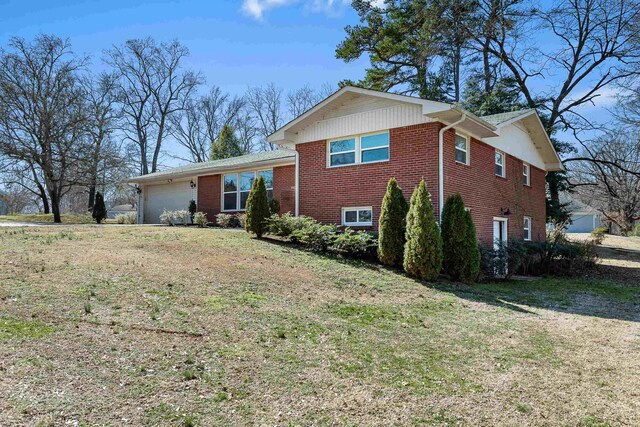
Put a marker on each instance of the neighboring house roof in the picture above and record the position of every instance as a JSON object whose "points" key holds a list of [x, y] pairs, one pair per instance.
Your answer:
{"points": [[126, 207], [487, 128], [576, 206], [266, 158]]}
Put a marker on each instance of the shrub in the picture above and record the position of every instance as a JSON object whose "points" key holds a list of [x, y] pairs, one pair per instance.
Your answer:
{"points": [[99, 210], [224, 220], [181, 217], [192, 209], [598, 235], [392, 225], [355, 244], [120, 218], [166, 217], [242, 220], [274, 206], [461, 256], [423, 247], [316, 236], [257, 208], [200, 219], [127, 218], [284, 225]]}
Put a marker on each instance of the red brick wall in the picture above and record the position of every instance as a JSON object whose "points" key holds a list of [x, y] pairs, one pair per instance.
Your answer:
{"points": [[210, 188], [414, 155], [284, 187], [485, 193]]}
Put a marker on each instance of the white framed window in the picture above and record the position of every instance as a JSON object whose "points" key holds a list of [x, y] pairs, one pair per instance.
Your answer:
{"points": [[370, 148], [462, 149], [526, 174], [236, 188], [527, 228], [358, 216], [500, 164]]}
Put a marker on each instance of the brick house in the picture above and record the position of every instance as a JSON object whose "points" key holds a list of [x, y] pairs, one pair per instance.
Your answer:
{"points": [[335, 161]]}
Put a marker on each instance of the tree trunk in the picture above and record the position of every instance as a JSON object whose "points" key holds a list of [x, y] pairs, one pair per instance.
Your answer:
{"points": [[92, 195], [55, 207]]}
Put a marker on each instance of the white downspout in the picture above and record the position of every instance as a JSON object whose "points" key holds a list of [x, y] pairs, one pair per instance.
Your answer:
{"points": [[297, 192], [441, 163]]}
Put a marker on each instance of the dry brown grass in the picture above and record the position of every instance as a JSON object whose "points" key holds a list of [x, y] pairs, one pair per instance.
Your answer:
{"points": [[173, 326]]}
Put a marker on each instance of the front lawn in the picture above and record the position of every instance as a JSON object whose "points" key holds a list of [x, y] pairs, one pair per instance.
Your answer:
{"points": [[184, 326], [46, 218]]}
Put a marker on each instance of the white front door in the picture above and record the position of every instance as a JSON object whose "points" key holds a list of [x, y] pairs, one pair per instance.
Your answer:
{"points": [[499, 232]]}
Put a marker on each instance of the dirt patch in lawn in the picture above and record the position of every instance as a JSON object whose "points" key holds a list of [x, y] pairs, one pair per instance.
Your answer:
{"points": [[176, 326]]}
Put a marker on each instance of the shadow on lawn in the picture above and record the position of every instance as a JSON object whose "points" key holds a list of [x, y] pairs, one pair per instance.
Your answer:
{"points": [[591, 295]]}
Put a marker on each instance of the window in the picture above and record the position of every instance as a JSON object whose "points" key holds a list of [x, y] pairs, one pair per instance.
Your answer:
{"points": [[527, 228], [500, 169], [360, 149], [236, 188], [462, 149], [526, 169], [357, 216]]}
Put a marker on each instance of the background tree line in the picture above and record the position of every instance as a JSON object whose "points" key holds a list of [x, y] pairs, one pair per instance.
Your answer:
{"points": [[66, 132]]}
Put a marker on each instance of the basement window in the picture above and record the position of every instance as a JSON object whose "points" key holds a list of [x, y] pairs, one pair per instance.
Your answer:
{"points": [[360, 216]]}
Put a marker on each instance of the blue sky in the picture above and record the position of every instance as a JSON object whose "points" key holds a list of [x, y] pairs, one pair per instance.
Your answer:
{"points": [[233, 43]]}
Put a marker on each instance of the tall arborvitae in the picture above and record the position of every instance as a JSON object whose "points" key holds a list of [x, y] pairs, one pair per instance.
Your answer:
{"points": [[423, 248], [99, 209], [257, 208], [392, 225], [459, 241]]}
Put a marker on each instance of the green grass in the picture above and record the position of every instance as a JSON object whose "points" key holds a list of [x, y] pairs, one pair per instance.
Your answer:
{"points": [[210, 327]]}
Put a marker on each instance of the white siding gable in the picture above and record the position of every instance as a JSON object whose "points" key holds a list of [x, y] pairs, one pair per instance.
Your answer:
{"points": [[362, 119], [516, 141]]}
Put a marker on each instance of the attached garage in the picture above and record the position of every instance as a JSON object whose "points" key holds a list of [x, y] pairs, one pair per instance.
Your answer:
{"points": [[168, 196]]}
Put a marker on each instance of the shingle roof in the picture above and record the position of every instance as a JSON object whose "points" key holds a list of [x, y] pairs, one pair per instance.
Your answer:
{"points": [[232, 162], [497, 119]]}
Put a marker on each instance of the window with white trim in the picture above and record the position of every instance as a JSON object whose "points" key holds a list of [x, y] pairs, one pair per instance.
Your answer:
{"points": [[359, 216], [236, 188], [526, 174], [527, 228], [500, 161], [462, 149], [358, 149]]}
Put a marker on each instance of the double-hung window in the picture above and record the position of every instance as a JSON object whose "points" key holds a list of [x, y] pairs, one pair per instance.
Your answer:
{"points": [[500, 164], [236, 188], [527, 228], [462, 149], [526, 174], [359, 149], [357, 216]]}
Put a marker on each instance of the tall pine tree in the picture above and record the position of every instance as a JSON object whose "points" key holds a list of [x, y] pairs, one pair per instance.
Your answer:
{"points": [[227, 145]]}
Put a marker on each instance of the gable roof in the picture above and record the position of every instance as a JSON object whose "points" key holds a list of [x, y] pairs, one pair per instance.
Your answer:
{"points": [[503, 119], [265, 158], [484, 128]]}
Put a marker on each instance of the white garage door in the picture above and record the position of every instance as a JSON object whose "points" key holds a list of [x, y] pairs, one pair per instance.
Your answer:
{"points": [[171, 197]]}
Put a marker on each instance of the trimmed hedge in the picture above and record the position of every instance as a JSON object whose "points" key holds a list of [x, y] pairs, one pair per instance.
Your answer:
{"points": [[392, 225], [461, 256], [257, 208], [423, 247]]}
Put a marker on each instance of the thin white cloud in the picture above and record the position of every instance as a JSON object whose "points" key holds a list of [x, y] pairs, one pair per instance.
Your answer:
{"points": [[257, 8]]}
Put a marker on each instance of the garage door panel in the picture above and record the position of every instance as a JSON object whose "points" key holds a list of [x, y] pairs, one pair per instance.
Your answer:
{"points": [[162, 197]]}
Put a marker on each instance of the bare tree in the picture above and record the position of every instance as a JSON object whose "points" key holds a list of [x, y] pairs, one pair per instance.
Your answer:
{"points": [[43, 116], [152, 87], [199, 125], [609, 179], [593, 45], [265, 104], [103, 120]]}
